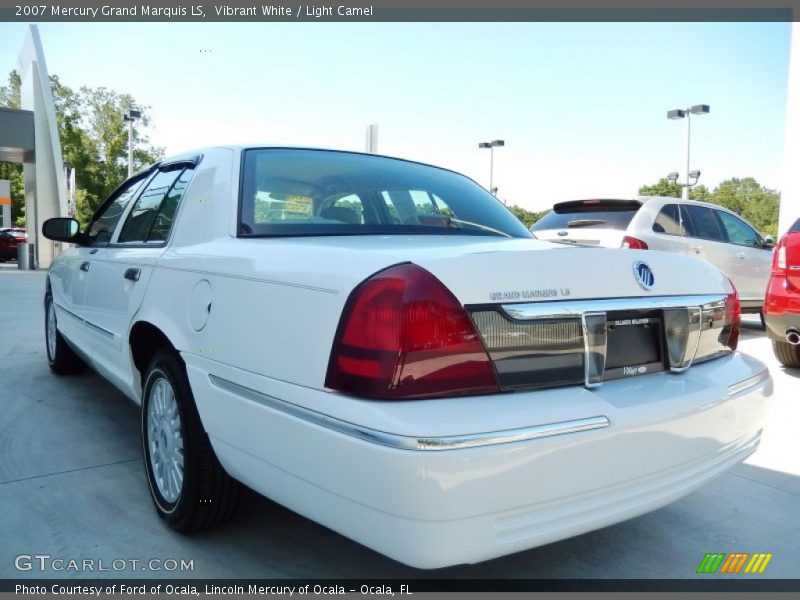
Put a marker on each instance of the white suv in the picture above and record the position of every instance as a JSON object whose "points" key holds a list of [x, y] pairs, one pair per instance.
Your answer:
{"points": [[698, 229]]}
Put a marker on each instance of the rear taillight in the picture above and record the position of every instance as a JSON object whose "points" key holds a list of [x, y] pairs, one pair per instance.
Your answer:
{"points": [[633, 243], [719, 327], [733, 318], [404, 335], [779, 259]]}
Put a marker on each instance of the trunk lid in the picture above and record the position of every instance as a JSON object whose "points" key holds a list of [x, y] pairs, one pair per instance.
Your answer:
{"points": [[480, 270]]}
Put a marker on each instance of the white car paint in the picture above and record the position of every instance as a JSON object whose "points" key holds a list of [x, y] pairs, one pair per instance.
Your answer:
{"points": [[428, 482]]}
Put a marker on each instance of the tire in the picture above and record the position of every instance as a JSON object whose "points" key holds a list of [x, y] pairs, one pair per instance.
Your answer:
{"points": [[787, 355], [60, 356], [190, 489]]}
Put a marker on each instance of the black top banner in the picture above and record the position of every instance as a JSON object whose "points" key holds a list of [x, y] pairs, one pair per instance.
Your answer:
{"points": [[399, 10]]}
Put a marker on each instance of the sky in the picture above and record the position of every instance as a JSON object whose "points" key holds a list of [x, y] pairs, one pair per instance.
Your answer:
{"points": [[581, 106]]}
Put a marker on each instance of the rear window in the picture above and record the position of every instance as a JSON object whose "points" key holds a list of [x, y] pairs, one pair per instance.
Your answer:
{"points": [[287, 192], [589, 214]]}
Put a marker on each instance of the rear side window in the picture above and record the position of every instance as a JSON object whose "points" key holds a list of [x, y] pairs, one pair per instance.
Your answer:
{"points": [[668, 221], [151, 217], [796, 227], [169, 206], [589, 214], [700, 222]]}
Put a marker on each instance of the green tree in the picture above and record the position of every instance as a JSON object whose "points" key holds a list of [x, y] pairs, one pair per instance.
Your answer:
{"points": [[751, 200], [94, 141], [10, 94], [700, 192], [664, 187], [527, 217], [13, 173], [673, 189], [10, 98]]}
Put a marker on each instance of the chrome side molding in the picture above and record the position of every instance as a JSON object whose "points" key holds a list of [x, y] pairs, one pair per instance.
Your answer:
{"points": [[749, 383], [403, 442]]}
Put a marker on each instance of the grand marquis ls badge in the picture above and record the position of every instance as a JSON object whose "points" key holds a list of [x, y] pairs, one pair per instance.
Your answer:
{"points": [[644, 275]]}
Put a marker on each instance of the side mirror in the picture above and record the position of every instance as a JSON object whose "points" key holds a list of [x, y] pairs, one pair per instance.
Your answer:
{"points": [[768, 242], [61, 230]]}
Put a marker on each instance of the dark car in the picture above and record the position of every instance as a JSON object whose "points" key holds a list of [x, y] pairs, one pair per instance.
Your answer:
{"points": [[9, 240], [782, 304]]}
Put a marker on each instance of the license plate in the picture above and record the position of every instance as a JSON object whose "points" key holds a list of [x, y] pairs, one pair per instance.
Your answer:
{"points": [[634, 346]]}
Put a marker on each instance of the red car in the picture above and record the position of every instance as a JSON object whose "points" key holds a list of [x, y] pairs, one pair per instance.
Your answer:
{"points": [[9, 238], [782, 304]]}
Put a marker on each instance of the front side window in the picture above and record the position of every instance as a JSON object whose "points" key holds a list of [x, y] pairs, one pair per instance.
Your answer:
{"points": [[701, 223], [318, 192], [105, 221], [738, 231]]}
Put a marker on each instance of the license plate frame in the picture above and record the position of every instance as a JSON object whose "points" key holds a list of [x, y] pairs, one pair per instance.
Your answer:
{"points": [[635, 344]]}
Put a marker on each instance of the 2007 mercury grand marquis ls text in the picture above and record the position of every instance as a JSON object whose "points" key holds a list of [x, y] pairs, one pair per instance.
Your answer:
{"points": [[381, 346]]}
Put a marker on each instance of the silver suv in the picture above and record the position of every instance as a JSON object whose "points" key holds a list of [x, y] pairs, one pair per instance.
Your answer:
{"points": [[699, 229]]}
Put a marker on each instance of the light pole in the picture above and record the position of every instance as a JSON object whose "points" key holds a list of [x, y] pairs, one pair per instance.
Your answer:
{"points": [[129, 118], [491, 146], [673, 177], [697, 109]]}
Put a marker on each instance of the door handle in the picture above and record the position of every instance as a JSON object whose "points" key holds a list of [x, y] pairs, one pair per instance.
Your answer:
{"points": [[740, 255], [133, 274], [696, 249], [85, 266]]}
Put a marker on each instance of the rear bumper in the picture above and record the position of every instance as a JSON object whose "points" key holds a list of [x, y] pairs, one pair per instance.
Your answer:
{"points": [[782, 308], [777, 325], [666, 435]]}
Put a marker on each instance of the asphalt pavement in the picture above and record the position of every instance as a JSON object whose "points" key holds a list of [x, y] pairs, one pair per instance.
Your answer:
{"points": [[72, 485]]}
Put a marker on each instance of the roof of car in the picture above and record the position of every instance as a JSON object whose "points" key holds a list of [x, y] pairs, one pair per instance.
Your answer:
{"points": [[651, 199], [196, 155]]}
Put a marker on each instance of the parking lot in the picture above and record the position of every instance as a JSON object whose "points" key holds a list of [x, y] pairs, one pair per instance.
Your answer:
{"points": [[72, 485]]}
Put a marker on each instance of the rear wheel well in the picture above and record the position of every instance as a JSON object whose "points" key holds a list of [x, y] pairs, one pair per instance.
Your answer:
{"points": [[146, 339]]}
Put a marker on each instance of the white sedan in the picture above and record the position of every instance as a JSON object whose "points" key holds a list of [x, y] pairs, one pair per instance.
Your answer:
{"points": [[382, 347]]}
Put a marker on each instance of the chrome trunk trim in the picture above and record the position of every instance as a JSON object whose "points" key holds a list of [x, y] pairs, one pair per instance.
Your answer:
{"points": [[561, 309]]}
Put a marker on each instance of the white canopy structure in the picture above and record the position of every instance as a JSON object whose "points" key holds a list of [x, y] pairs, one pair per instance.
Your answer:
{"points": [[45, 188]]}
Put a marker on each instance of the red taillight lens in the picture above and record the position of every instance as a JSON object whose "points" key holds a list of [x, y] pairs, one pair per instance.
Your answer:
{"points": [[633, 243], [404, 335], [733, 317]]}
